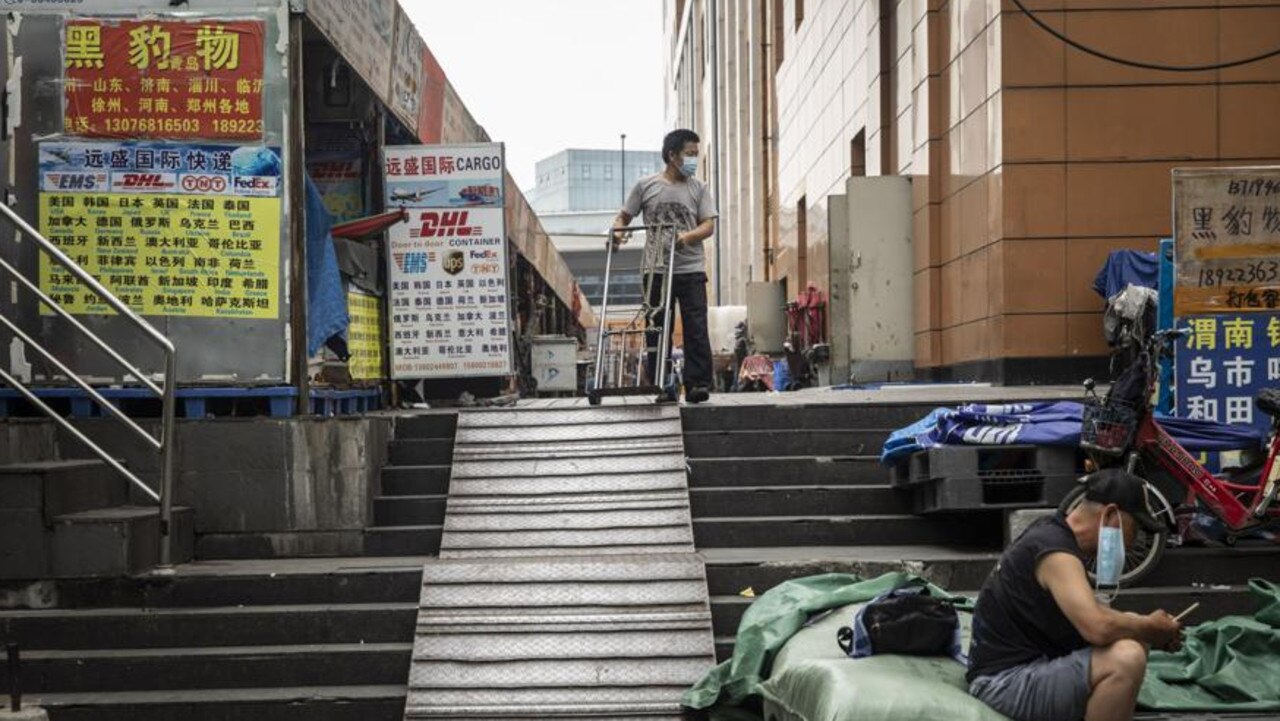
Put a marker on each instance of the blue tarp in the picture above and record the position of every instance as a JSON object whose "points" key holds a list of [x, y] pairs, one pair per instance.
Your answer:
{"points": [[1127, 267], [326, 299], [1045, 424]]}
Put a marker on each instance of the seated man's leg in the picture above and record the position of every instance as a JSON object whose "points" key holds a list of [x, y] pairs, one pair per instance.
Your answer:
{"points": [[1115, 676], [1046, 690]]}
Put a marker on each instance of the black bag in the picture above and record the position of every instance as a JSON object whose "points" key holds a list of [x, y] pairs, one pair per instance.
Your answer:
{"points": [[911, 623]]}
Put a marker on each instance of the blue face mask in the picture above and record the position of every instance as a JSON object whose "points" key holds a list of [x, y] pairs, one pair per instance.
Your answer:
{"points": [[1110, 563], [690, 166]]}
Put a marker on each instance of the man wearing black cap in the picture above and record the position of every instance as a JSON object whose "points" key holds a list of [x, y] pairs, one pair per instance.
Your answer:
{"points": [[1044, 648]]}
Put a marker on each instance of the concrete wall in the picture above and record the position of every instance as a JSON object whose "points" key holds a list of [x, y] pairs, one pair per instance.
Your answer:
{"points": [[262, 486]]}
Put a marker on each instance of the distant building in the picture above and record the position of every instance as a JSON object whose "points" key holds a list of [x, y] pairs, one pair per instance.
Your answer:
{"points": [[577, 196], [573, 180]]}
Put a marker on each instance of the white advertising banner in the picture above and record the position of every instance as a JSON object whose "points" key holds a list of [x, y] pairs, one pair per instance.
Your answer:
{"points": [[450, 292]]}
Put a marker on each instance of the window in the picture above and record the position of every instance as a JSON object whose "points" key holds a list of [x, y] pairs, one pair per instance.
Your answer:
{"points": [[586, 172], [799, 13], [608, 172]]}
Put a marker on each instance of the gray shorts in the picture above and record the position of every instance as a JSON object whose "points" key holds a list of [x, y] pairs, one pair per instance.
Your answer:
{"points": [[1046, 690]]}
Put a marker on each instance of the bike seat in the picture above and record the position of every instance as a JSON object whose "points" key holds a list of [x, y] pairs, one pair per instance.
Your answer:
{"points": [[1269, 402]]}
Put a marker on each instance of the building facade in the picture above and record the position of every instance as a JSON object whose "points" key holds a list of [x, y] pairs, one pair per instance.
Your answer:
{"points": [[575, 180], [1030, 161]]}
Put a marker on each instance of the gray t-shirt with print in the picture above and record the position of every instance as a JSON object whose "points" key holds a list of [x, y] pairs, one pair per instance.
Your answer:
{"points": [[682, 205]]}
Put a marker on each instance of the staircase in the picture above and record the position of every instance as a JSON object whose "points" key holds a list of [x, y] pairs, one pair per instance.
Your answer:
{"points": [[315, 639], [67, 519], [782, 492], [409, 514]]}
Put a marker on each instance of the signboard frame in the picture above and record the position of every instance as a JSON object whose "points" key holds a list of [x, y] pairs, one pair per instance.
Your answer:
{"points": [[448, 215]]}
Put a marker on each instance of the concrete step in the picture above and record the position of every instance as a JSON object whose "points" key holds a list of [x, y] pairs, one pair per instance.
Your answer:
{"points": [[784, 442], [207, 584], [726, 611], [233, 667], [415, 480], [787, 471], [409, 510], [730, 570], [428, 425], [215, 626], [422, 540], [827, 530], [798, 501], [431, 452], [117, 541], [823, 416], [307, 703]]}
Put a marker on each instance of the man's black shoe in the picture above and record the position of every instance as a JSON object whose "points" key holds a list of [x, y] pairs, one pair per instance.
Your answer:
{"points": [[697, 394]]}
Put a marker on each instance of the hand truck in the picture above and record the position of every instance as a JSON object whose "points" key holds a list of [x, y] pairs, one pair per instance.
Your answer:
{"points": [[612, 342]]}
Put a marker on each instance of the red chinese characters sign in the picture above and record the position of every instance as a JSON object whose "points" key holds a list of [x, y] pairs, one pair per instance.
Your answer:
{"points": [[164, 79]]}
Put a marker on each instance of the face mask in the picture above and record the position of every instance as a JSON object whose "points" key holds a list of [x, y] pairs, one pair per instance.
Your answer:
{"points": [[1110, 563], [690, 166]]}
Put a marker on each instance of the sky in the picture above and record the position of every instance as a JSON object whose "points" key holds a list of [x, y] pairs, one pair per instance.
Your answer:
{"points": [[546, 75]]}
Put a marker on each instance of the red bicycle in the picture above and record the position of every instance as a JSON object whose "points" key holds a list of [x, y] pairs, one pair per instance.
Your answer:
{"points": [[1122, 430]]}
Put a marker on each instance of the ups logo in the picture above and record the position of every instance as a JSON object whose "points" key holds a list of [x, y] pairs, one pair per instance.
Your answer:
{"points": [[455, 262]]}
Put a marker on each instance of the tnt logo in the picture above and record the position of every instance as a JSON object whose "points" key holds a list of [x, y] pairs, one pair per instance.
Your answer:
{"points": [[411, 263], [455, 262], [441, 223]]}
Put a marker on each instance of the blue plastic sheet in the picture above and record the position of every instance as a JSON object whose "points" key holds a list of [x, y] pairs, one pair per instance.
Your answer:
{"points": [[1127, 267], [326, 298], [1045, 424]]}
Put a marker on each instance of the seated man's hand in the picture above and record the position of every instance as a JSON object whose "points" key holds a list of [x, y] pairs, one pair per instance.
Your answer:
{"points": [[1166, 631]]}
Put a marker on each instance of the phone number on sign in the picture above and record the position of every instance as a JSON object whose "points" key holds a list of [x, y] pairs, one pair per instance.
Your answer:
{"points": [[233, 126], [1263, 271]]}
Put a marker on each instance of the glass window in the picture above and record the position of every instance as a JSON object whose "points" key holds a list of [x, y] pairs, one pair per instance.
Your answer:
{"points": [[586, 172], [608, 172]]}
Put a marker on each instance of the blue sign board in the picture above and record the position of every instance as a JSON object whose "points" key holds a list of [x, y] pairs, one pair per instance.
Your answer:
{"points": [[1224, 362]]}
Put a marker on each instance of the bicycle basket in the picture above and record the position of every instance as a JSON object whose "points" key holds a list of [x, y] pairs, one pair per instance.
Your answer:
{"points": [[1108, 426]]}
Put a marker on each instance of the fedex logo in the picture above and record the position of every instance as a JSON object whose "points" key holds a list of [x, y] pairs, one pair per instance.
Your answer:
{"points": [[440, 223], [255, 185], [484, 255]]}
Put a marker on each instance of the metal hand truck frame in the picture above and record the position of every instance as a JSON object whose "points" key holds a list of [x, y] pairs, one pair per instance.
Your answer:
{"points": [[664, 386]]}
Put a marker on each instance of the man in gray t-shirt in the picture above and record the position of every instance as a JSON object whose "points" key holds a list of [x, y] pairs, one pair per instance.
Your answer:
{"points": [[676, 198]]}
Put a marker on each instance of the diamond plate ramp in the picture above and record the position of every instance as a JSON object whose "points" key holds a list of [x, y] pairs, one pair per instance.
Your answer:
{"points": [[567, 586]]}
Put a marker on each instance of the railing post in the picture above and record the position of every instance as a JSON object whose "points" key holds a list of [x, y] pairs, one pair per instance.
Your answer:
{"points": [[15, 679], [169, 442]]}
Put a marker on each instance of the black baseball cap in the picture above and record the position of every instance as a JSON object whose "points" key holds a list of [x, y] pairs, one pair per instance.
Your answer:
{"points": [[1126, 491]]}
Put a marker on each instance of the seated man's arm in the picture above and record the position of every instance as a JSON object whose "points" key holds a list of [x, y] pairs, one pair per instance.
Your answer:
{"points": [[1064, 577]]}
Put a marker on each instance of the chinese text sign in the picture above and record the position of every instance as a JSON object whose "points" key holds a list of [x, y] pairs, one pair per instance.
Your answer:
{"points": [[448, 264], [171, 79], [1227, 228], [1223, 364], [172, 230]]}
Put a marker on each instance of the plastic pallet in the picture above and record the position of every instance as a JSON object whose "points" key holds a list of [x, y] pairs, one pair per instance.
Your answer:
{"points": [[193, 402], [981, 494], [1022, 461]]}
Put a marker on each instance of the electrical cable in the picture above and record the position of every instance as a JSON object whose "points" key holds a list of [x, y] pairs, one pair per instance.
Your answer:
{"points": [[1138, 63]]}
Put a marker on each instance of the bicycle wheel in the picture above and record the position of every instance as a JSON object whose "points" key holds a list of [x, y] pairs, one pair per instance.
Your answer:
{"points": [[1147, 549]]}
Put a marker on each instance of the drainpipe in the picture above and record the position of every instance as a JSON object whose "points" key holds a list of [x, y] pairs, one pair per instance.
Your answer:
{"points": [[714, 19]]}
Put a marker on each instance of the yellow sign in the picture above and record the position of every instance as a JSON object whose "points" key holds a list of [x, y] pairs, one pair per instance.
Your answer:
{"points": [[364, 336], [166, 255]]}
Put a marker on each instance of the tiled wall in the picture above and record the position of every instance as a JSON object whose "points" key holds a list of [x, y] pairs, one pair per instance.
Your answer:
{"points": [[1050, 158]]}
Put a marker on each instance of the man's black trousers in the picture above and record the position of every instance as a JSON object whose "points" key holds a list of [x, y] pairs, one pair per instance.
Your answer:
{"points": [[689, 291]]}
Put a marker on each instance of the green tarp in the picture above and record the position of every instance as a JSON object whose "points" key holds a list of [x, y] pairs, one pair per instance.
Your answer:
{"points": [[774, 618], [1228, 665], [1231, 664]]}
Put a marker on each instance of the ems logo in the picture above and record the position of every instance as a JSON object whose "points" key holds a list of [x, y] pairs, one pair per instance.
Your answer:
{"points": [[411, 263], [455, 262]]}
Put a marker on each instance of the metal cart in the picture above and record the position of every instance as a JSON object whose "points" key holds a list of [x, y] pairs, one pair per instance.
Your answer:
{"points": [[613, 343]]}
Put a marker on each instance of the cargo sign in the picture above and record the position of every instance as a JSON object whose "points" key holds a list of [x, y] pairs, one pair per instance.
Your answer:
{"points": [[448, 265], [172, 230], [1227, 235], [172, 79]]}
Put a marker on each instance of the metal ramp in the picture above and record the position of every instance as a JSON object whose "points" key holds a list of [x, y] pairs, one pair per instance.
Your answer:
{"points": [[567, 584]]}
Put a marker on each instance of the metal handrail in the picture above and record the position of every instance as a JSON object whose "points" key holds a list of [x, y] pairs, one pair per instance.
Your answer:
{"points": [[164, 445]]}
